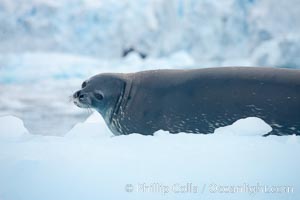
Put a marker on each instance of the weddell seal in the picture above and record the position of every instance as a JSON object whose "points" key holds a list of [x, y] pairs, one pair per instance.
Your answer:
{"points": [[195, 100]]}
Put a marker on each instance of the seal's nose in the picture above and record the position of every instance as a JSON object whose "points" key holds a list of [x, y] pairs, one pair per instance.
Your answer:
{"points": [[77, 94]]}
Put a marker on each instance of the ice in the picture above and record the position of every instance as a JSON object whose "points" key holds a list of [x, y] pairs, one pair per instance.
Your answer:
{"points": [[11, 128], [83, 165], [248, 126], [94, 126], [44, 66]]}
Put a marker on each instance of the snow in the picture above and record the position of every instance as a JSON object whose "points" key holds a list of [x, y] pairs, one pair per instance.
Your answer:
{"points": [[247, 126], [94, 126], [88, 163]]}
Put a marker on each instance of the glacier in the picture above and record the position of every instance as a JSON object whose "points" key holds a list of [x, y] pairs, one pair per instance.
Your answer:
{"points": [[212, 32]]}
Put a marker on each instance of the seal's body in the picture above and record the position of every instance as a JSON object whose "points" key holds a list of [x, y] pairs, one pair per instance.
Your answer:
{"points": [[200, 100]]}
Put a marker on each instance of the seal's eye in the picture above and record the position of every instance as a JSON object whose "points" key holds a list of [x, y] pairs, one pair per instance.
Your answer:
{"points": [[83, 84], [98, 96]]}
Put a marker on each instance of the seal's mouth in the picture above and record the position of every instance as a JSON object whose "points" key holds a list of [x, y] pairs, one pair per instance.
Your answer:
{"points": [[80, 104]]}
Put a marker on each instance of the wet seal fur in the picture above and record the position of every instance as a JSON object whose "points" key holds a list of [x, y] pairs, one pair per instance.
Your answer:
{"points": [[195, 100]]}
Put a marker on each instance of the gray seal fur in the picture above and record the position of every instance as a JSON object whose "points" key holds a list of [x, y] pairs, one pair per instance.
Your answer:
{"points": [[195, 100]]}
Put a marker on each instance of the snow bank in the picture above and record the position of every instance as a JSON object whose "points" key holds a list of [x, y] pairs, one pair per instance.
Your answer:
{"points": [[83, 165]]}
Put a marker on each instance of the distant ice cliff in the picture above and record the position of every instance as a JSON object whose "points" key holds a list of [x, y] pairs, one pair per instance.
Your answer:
{"points": [[215, 32]]}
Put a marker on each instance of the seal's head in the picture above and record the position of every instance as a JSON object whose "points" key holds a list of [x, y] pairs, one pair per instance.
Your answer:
{"points": [[102, 92]]}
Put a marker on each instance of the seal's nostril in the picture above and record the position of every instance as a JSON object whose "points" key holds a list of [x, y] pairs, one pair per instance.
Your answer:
{"points": [[76, 94]]}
